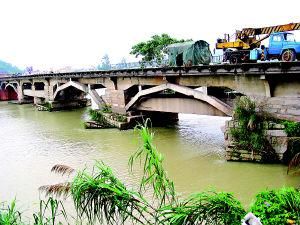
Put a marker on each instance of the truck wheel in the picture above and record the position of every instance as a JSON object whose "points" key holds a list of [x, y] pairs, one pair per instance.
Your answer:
{"points": [[234, 59], [288, 55]]}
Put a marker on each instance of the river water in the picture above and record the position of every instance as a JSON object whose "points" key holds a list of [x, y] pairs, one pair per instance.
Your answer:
{"points": [[32, 142]]}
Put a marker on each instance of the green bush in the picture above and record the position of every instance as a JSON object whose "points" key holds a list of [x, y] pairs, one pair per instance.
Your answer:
{"points": [[96, 115], [276, 207], [106, 108], [48, 105], [250, 132], [292, 129], [120, 118]]}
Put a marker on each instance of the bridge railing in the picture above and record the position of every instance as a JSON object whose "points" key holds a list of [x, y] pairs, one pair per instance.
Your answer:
{"points": [[217, 59]]}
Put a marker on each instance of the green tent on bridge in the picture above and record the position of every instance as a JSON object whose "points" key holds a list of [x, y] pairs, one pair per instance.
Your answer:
{"points": [[189, 53]]}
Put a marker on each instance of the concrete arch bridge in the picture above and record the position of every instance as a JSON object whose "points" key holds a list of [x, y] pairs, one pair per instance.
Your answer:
{"points": [[197, 89]]}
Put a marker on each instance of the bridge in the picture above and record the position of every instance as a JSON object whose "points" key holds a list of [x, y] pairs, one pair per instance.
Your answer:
{"points": [[204, 89]]}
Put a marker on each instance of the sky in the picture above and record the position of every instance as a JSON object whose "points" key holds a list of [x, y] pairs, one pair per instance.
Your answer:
{"points": [[52, 34]]}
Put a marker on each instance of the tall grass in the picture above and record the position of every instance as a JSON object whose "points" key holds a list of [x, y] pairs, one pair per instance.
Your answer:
{"points": [[49, 212], [154, 174], [103, 197], [9, 215]]}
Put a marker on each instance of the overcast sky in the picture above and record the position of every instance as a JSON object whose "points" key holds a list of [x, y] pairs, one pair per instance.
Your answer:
{"points": [[58, 33]]}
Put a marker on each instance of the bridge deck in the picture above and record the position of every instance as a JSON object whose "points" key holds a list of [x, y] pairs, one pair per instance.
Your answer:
{"points": [[262, 68]]}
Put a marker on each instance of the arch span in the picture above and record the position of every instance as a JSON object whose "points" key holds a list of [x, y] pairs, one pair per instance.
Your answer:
{"points": [[11, 85], [210, 100], [74, 84], [10, 92]]}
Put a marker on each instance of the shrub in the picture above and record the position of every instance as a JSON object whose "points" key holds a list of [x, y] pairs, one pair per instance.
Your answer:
{"points": [[276, 207], [96, 115], [292, 129], [106, 108]]}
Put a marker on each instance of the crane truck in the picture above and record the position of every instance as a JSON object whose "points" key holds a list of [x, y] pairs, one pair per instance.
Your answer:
{"points": [[247, 47]]}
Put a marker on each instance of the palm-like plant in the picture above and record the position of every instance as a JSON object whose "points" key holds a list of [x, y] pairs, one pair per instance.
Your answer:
{"points": [[154, 173], [104, 197], [204, 208]]}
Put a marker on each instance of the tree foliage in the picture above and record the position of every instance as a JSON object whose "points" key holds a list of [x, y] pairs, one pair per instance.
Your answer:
{"points": [[105, 63], [8, 68], [153, 49]]}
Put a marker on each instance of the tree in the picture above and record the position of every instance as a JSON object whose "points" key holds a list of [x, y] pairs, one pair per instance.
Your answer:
{"points": [[123, 63], [153, 49], [105, 63], [8, 68], [29, 70]]}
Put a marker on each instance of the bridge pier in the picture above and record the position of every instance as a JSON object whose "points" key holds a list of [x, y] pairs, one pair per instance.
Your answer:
{"points": [[116, 99]]}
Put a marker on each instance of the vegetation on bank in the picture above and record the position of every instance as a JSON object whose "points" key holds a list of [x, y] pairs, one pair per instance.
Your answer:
{"points": [[98, 115], [101, 197], [292, 129], [278, 206], [250, 134]]}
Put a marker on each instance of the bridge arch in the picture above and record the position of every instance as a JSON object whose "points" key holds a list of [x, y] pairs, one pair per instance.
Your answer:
{"points": [[70, 85], [210, 101], [13, 86], [11, 91]]}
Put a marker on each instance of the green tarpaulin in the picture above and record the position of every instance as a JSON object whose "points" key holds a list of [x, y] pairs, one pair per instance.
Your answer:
{"points": [[189, 53]]}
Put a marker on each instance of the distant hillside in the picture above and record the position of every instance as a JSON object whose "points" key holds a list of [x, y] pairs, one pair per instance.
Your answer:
{"points": [[8, 68]]}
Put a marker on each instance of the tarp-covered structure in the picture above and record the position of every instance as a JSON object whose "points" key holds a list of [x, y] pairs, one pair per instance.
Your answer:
{"points": [[189, 53]]}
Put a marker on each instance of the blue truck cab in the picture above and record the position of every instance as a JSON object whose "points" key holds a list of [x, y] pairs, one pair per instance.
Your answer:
{"points": [[282, 46]]}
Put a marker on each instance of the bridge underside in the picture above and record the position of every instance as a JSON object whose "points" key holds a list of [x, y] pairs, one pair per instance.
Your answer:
{"points": [[178, 105]]}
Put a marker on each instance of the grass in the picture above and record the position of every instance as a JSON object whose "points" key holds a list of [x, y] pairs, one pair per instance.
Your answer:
{"points": [[154, 174], [9, 215], [49, 212]]}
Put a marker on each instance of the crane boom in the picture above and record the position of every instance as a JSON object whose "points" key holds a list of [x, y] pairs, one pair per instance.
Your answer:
{"points": [[269, 30]]}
